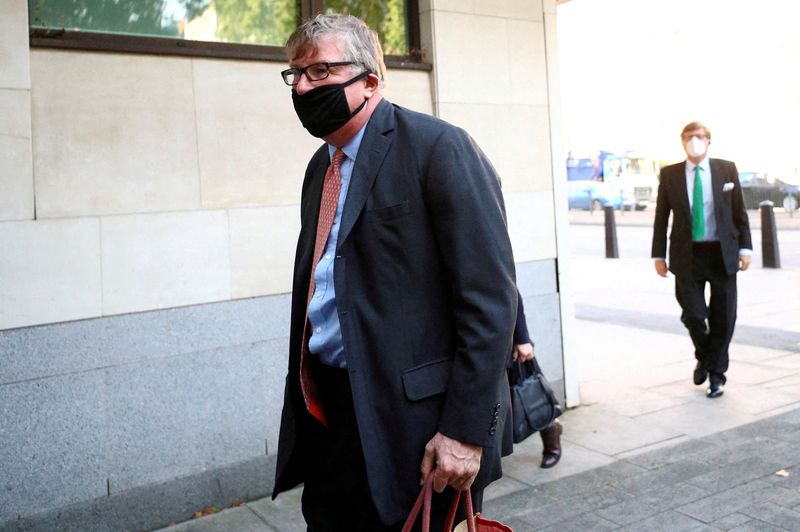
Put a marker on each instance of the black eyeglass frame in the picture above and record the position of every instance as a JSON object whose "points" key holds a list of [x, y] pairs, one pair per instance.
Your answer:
{"points": [[298, 72]]}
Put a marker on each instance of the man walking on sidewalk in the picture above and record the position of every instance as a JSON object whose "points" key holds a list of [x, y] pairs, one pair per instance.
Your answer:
{"points": [[404, 298], [709, 243]]}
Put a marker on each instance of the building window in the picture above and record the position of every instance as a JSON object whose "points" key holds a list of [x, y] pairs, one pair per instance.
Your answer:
{"points": [[244, 29], [387, 17]]}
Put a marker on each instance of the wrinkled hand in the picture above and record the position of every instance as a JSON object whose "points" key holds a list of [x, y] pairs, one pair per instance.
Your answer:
{"points": [[661, 267], [453, 463], [744, 262], [522, 352]]}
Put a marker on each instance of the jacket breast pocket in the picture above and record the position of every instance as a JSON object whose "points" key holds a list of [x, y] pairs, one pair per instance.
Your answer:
{"points": [[427, 380], [383, 214]]}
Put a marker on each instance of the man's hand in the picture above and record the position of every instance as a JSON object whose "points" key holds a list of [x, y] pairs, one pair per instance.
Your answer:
{"points": [[522, 352], [744, 262], [456, 464], [661, 267]]}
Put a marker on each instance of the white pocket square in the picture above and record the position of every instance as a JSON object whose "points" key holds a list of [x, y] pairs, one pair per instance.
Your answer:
{"points": [[727, 187]]}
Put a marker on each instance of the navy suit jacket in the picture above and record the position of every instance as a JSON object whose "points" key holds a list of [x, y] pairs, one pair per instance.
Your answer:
{"points": [[733, 227], [426, 297]]}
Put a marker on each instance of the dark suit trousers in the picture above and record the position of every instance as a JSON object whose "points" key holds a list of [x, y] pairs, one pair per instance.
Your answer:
{"points": [[710, 324], [336, 495]]}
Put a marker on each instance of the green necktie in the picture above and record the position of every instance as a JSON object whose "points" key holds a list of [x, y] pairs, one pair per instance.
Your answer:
{"points": [[698, 215]]}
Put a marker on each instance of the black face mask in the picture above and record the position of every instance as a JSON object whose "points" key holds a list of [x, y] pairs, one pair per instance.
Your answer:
{"points": [[325, 109]]}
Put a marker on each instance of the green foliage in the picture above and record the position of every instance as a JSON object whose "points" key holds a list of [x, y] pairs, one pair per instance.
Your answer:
{"points": [[256, 21], [387, 17]]}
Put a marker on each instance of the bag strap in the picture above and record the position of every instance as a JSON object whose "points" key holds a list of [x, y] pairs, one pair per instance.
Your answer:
{"points": [[524, 369], [423, 503], [423, 500], [471, 525]]}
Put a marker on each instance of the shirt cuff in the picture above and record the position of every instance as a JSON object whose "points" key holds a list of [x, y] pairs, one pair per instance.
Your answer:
{"points": [[659, 258], [746, 252]]}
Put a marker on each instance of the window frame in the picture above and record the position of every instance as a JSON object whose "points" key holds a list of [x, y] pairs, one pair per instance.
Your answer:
{"points": [[141, 44]]}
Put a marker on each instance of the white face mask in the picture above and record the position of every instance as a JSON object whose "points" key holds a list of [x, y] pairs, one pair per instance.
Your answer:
{"points": [[695, 147]]}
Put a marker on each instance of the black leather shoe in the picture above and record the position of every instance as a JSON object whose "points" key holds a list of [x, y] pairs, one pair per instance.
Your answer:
{"points": [[715, 388], [700, 374]]}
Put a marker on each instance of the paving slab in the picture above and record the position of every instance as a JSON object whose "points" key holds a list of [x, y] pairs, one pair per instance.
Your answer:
{"points": [[582, 523], [728, 501], [652, 502], [523, 465], [755, 525], [240, 519], [610, 433], [565, 509], [283, 514], [666, 477], [591, 481], [718, 477], [696, 419], [669, 521], [730, 522]]}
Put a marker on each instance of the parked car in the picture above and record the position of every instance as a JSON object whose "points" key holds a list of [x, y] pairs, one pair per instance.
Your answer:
{"points": [[624, 168], [757, 187], [588, 195]]}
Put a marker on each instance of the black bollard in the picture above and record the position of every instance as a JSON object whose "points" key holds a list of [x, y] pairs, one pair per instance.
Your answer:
{"points": [[770, 255], [611, 233]]}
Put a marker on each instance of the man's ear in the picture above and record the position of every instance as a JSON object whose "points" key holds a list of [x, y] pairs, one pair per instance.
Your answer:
{"points": [[371, 84]]}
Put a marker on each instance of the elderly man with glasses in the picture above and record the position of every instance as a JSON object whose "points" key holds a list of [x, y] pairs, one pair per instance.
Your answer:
{"points": [[404, 299]]}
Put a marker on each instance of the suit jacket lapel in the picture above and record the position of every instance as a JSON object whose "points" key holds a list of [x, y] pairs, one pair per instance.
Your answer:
{"points": [[374, 146], [684, 191]]}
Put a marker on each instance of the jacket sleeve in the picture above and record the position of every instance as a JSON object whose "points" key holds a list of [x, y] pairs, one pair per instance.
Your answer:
{"points": [[521, 335], [740, 219], [663, 207], [465, 205]]}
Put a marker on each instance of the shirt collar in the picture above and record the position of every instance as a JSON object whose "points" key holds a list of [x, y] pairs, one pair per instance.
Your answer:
{"points": [[704, 165], [351, 148]]}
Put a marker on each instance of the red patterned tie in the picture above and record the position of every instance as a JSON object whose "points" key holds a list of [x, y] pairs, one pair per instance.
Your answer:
{"points": [[327, 212]]}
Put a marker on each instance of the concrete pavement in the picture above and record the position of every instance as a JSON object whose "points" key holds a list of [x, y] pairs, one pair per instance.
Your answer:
{"points": [[647, 450]]}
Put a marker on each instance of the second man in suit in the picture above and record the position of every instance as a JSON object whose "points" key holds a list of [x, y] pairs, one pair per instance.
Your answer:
{"points": [[709, 243]]}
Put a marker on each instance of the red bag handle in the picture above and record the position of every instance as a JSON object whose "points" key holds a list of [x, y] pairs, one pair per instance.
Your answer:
{"points": [[423, 503]]}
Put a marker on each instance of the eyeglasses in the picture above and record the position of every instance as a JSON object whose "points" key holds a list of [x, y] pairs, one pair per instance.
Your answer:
{"points": [[315, 72]]}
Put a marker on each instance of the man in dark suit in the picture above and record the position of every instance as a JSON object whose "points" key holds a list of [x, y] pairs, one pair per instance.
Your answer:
{"points": [[709, 243], [404, 299]]}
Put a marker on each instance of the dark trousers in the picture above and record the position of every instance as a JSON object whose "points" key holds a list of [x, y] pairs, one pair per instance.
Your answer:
{"points": [[710, 324], [336, 495]]}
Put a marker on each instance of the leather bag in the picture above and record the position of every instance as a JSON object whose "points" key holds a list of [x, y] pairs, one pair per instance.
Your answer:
{"points": [[533, 404], [474, 522]]}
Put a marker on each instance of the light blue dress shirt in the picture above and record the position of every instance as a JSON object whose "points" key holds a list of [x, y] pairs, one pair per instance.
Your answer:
{"points": [[708, 197], [326, 332]]}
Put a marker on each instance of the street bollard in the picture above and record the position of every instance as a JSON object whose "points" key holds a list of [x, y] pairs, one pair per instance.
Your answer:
{"points": [[770, 255], [611, 233]]}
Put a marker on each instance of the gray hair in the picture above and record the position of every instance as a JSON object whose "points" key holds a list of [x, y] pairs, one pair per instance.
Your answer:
{"points": [[361, 43]]}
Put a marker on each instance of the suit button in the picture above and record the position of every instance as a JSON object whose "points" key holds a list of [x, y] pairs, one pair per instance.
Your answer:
{"points": [[491, 432]]}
